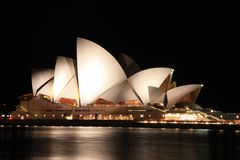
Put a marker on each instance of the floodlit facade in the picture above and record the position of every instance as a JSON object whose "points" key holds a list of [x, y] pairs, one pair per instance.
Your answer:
{"points": [[97, 86], [65, 80], [149, 77], [42, 82], [183, 94], [97, 70]]}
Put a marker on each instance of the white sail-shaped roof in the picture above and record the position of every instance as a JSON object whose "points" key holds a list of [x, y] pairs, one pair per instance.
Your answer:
{"points": [[42, 81], [150, 77], [127, 93], [119, 93], [65, 80], [154, 93], [176, 94], [97, 70], [113, 93]]}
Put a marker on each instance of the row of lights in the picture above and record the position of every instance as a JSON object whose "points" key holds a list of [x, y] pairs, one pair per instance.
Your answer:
{"points": [[185, 122], [142, 116], [70, 115], [221, 116], [3, 115], [34, 115]]}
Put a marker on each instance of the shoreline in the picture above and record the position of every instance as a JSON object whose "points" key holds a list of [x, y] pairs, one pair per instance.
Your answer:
{"points": [[115, 123]]}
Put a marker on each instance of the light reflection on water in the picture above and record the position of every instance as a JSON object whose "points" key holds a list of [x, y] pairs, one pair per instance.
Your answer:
{"points": [[108, 143]]}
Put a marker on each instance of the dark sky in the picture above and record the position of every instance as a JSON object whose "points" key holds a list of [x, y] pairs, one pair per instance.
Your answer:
{"points": [[193, 38]]}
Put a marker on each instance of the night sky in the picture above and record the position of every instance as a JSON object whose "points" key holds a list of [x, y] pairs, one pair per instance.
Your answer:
{"points": [[193, 38]]}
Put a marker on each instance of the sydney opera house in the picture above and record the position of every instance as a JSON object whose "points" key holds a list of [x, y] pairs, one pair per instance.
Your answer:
{"points": [[96, 86]]}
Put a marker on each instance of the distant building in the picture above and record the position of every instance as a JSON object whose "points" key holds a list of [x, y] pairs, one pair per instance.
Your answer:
{"points": [[97, 86]]}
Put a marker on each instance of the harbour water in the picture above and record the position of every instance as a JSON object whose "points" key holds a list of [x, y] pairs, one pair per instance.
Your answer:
{"points": [[117, 143]]}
